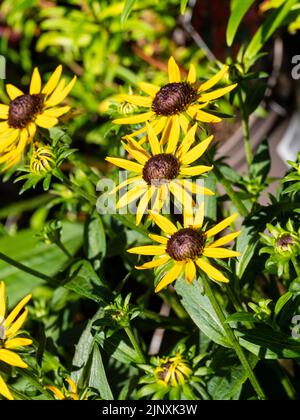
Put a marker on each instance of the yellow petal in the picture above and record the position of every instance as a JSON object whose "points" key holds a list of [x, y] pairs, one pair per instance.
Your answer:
{"points": [[182, 196], [31, 130], [135, 99], [225, 240], [195, 170], [174, 135], [196, 152], [154, 263], [207, 118], [192, 76], [143, 204], [13, 92], [206, 97], [171, 276], [11, 358], [59, 395], [184, 123], [126, 164], [139, 156], [59, 95], [2, 301], [194, 188], [17, 342], [13, 315], [190, 272], [131, 196], [221, 226], [174, 72], [46, 122], [199, 217], [4, 111], [137, 146], [127, 182], [17, 325], [149, 88], [188, 140], [211, 271], [36, 82], [135, 119], [160, 239], [56, 112], [53, 81], [153, 140], [4, 390], [72, 384], [220, 253], [214, 80], [148, 250], [165, 224]]}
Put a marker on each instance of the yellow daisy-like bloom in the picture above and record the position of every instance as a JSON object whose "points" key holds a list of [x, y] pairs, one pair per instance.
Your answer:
{"points": [[173, 370], [162, 170], [65, 394], [9, 340], [26, 111], [177, 101], [184, 249]]}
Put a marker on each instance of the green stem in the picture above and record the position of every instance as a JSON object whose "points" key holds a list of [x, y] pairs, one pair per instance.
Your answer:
{"points": [[237, 202], [64, 249], [246, 130], [235, 343], [135, 344], [26, 269], [286, 382]]}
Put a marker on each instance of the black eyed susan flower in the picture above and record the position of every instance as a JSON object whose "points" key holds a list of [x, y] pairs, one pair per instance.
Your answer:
{"points": [[162, 170], [64, 393], [177, 101], [183, 249], [27, 111], [42, 159], [9, 340], [178, 375]]}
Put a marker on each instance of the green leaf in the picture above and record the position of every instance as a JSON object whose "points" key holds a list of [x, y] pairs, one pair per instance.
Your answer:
{"points": [[127, 10], [268, 344], [266, 30], [261, 165], [27, 249], [201, 311], [94, 238], [240, 317], [98, 379], [183, 6], [239, 9], [229, 375], [282, 301], [116, 346]]}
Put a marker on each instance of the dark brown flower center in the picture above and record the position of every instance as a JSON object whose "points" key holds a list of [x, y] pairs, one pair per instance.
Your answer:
{"points": [[174, 98], [163, 373], [285, 241], [186, 244], [160, 168], [24, 109]]}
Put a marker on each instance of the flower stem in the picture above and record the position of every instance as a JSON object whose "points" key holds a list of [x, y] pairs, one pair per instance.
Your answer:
{"points": [[235, 343], [296, 267], [135, 344], [26, 269]]}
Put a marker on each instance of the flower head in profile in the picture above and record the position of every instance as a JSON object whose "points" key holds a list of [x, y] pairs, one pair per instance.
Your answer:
{"points": [[70, 393], [177, 101], [162, 170], [27, 111], [10, 342], [183, 250]]}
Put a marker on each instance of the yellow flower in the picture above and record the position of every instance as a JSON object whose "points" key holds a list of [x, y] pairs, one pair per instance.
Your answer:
{"points": [[177, 101], [65, 394], [9, 328], [162, 170], [173, 370], [187, 248], [26, 111], [42, 159]]}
